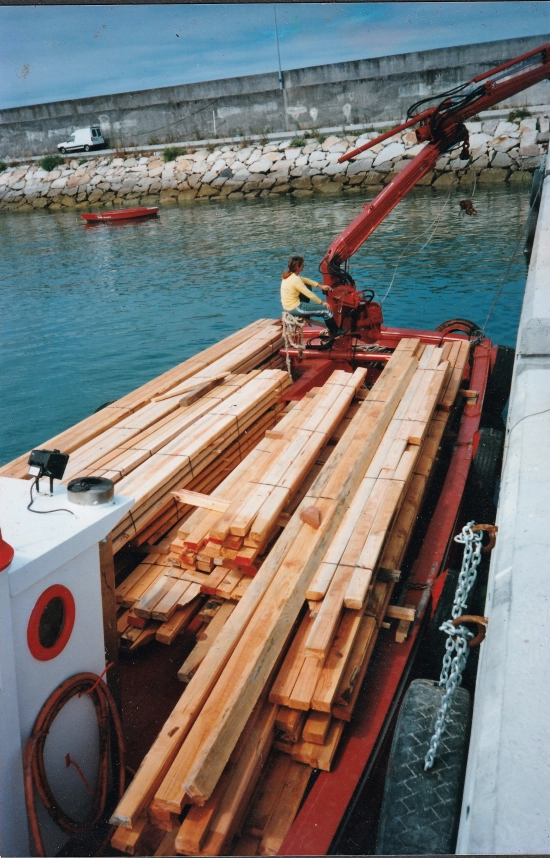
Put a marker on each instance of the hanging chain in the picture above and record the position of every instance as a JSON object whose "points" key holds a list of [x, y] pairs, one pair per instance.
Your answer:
{"points": [[293, 333], [456, 647]]}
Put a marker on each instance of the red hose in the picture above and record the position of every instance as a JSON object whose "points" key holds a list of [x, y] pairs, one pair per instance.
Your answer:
{"points": [[33, 762]]}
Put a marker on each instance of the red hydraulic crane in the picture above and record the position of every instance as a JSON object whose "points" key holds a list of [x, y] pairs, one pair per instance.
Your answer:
{"points": [[441, 127]]}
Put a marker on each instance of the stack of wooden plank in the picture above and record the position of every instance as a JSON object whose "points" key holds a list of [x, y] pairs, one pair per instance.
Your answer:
{"points": [[282, 667], [163, 593], [262, 340], [233, 529], [150, 441], [349, 595], [197, 446]]}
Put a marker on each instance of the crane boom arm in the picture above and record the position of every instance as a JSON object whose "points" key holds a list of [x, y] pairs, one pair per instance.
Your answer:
{"points": [[441, 128]]}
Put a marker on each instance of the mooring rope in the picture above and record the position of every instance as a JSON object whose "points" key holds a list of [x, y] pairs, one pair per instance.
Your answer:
{"points": [[293, 333]]}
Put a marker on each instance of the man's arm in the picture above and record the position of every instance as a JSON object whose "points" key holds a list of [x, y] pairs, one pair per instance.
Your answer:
{"points": [[302, 288], [314, 283]]}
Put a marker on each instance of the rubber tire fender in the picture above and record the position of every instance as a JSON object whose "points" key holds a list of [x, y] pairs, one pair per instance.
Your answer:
{"points": [[420, 810], [499, 382], [462, 326], [484, 473]]}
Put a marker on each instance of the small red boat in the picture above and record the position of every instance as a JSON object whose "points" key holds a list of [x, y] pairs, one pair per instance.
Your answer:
{"points": [[120, 214]]}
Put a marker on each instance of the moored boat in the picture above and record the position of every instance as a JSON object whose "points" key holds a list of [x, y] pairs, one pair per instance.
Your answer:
{"points": [[120, 214]]}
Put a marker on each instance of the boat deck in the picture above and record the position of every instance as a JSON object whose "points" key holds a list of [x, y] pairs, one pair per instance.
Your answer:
{"points": [[263, 549]]}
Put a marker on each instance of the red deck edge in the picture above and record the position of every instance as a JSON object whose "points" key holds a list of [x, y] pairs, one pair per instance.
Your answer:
{"points": [[318, 821]]}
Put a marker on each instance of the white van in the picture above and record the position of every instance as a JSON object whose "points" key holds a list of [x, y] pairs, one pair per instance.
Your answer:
{"points": [[83, 138]]}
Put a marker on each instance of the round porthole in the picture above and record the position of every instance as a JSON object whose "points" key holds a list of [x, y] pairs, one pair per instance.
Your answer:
{"points": [[51, 623]]}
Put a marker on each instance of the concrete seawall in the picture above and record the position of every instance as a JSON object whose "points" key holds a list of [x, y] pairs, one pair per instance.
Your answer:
{"points": [[501, 151], [507, 788], [359, 91]]}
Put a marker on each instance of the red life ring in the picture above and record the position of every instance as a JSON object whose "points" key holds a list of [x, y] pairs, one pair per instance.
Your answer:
{"points": [[51, 623]]}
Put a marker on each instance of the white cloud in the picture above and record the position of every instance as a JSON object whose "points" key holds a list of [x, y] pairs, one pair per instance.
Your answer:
{"points": [[78, 51]]}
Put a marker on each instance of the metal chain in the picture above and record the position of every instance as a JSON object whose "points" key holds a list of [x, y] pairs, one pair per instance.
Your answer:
{"points": [[293, 333], [456, 647]]}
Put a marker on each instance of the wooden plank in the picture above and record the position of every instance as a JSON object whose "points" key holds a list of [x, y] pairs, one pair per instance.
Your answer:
{"points": [[268, 793], [357, 588], [268, 514], [286, 808], [205, 383], [351, 677], [203, 755], [242, 781], [320, 756], [179, 621], [194, 828], [447, 399], [316, 727], [350, 556], [241, 588], [336, 663], [199, 499], [404, 621], [321, 581], [144, 636], [152, 573], [132, 579], [247, 512], [167, 606], [123, 622], [128, 841], [290, 723], [214, 579], [401, 612], [154, 594], [326, 622], [304, 687], [290, 669], [402, 528], [198, 653]]}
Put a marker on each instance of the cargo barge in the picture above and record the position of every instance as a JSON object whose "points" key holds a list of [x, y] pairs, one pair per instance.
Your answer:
{"points": [[296, 526]]}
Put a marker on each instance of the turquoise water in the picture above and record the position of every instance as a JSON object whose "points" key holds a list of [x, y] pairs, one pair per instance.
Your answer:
{"points": [[87, 314]]}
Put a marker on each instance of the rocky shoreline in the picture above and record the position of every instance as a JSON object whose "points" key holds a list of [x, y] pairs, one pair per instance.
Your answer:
{"points": [[501, 151]]}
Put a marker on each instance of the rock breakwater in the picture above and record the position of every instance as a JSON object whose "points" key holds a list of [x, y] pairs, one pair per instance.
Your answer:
{"points": [[500, 151]]}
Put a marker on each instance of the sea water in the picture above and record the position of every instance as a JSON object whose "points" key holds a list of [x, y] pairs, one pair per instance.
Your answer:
{"points": [[89, 313]]}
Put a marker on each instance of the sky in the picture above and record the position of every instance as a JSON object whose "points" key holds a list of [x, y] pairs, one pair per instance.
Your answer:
{"points": [[51, 53]]}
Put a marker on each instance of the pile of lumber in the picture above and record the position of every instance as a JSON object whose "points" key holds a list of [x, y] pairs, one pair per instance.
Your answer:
{"points": [[233, 528], [148, 442], [193, 455], [280, 672], [165, 589]]}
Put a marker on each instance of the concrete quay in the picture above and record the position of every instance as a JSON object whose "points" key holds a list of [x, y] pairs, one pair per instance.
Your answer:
{"points": [[507, 789], [376, 89], [501, 151]]}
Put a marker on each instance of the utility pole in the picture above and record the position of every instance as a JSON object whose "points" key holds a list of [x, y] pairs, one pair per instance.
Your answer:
{"points": [[281, 81]]}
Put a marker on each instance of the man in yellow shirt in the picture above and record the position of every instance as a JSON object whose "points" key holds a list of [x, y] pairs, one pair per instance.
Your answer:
{"points": [[296, 297]]}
